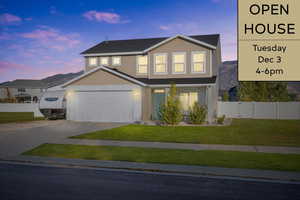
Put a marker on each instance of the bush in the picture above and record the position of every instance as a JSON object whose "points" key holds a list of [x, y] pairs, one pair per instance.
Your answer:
{"points": [[197, 114], [170, 112], [220, 120]]}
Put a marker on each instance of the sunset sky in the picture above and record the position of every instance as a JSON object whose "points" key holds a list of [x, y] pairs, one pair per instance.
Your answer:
{"points": [[41, 38]]}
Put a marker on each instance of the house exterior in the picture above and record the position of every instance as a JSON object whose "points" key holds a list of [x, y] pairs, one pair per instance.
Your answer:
{"points": [[22, 90], [128, 80]]}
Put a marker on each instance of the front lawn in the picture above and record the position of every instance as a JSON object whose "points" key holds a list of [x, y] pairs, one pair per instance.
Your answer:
{"points": [[7, 117], [231, 159], [241, 132]]}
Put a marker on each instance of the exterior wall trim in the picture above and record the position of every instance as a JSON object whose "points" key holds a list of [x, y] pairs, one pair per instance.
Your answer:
{"points": [[106, 69]]}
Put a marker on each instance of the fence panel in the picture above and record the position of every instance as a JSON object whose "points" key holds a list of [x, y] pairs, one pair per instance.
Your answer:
{"points": [[265, 110], [21, 107], [289, 110], [260, 110]]}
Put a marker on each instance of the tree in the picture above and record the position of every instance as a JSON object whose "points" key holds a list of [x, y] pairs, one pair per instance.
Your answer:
{"points": [[225, 96], [263, 91], [170, 113]]}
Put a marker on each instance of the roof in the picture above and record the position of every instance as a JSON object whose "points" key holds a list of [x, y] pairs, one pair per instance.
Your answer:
{"points": [[167, 81], [146, 81], [139, 45], [24, 83]]}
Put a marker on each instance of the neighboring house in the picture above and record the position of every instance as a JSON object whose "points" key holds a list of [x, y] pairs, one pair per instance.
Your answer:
{"points": [[128, 80], [23, 90]]}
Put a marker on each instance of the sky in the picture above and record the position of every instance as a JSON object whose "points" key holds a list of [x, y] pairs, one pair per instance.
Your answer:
{"points": [[40, 38]]}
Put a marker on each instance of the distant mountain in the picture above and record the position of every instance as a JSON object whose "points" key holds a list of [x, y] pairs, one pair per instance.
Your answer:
{"points": [[59, 79], [228, 75], [228, 78]]}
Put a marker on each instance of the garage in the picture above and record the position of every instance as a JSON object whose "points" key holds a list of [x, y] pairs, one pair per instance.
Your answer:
{"points": [[104, 105]]}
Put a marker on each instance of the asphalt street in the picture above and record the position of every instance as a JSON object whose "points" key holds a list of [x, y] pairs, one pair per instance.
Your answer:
{"points": [[18, 181]]}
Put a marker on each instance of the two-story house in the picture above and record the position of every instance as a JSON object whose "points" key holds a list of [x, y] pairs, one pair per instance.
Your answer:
{"points": [[128, 80]]}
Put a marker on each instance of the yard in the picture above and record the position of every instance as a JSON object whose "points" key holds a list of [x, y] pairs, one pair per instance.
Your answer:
{"points": [[6, 117], [240, 132], [231, 159]]}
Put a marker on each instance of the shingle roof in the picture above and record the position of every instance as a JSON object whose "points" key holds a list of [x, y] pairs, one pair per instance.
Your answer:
{"points": [[24, 83], [134, 45], [167, 81]]}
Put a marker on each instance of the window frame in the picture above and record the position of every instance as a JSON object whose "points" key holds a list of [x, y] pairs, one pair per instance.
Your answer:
{"points": [[103, 58], [166, 63], [89, 63], [173, 63], [112, 61], [192, 62], [137, 65]]}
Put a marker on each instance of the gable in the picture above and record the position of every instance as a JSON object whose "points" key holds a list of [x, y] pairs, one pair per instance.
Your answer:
{"points": [[179, 44], [100, 77]]}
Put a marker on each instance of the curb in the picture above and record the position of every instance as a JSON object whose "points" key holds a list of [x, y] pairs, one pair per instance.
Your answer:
{"points": [[267, 175]]}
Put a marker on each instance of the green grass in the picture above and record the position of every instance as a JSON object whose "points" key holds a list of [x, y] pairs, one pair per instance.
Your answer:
{"points": [[231, 159], [7, 117], [241, 132]]}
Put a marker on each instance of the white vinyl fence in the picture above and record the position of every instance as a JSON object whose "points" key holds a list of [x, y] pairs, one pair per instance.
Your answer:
{"points": [[21, 107], [260, 110]]}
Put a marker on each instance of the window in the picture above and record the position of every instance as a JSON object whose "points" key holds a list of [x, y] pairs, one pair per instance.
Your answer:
{"points": [[104, 60], [187, 99], [160, 61], [178, 63], [198, 62], [159, 91], [92, 61], [142, 64], [21, 90], [116, 60]]}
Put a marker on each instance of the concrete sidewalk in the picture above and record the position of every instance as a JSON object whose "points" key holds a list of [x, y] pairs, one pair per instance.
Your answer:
{"points": [[164, 145], [168, 168]]}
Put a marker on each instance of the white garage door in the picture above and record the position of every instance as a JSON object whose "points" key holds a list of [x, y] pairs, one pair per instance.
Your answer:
{"points": [[102, 106]]}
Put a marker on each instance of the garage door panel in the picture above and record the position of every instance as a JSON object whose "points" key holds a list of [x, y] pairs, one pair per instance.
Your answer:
{"points": [[102, 106]]}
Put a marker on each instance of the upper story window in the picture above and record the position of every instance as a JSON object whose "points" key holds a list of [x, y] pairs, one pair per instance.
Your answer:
{"points": [[179, 63], [116, 60], [160, 63], [198, 62], [142, 64], [104, 60], [92, 61], [21, 90]]}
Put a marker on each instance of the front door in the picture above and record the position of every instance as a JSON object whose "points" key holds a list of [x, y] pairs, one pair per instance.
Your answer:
{"points": [[158, 98]]}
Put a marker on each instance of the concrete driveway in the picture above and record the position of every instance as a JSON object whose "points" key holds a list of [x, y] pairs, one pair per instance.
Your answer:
{"points": [[15, 138]]}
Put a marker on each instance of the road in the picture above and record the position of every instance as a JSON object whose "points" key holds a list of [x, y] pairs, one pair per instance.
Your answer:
{"points": [[19, 181]]}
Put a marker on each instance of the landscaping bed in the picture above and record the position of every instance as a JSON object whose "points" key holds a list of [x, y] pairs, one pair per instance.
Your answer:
{"points": [[230, 159], [240, 132]]}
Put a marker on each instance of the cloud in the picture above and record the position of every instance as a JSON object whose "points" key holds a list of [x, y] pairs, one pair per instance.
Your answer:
{"points": [[108, 17], [6, 66], [5, 36], [52, 38], [9, 19]]}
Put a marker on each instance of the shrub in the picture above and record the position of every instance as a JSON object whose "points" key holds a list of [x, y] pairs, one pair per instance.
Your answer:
{"points": [[220, 120], [226, 96], [170, 112], [197, 114]]}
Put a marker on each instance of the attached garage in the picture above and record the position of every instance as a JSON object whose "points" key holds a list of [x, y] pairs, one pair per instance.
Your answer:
{"points": [[107, 98]]}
